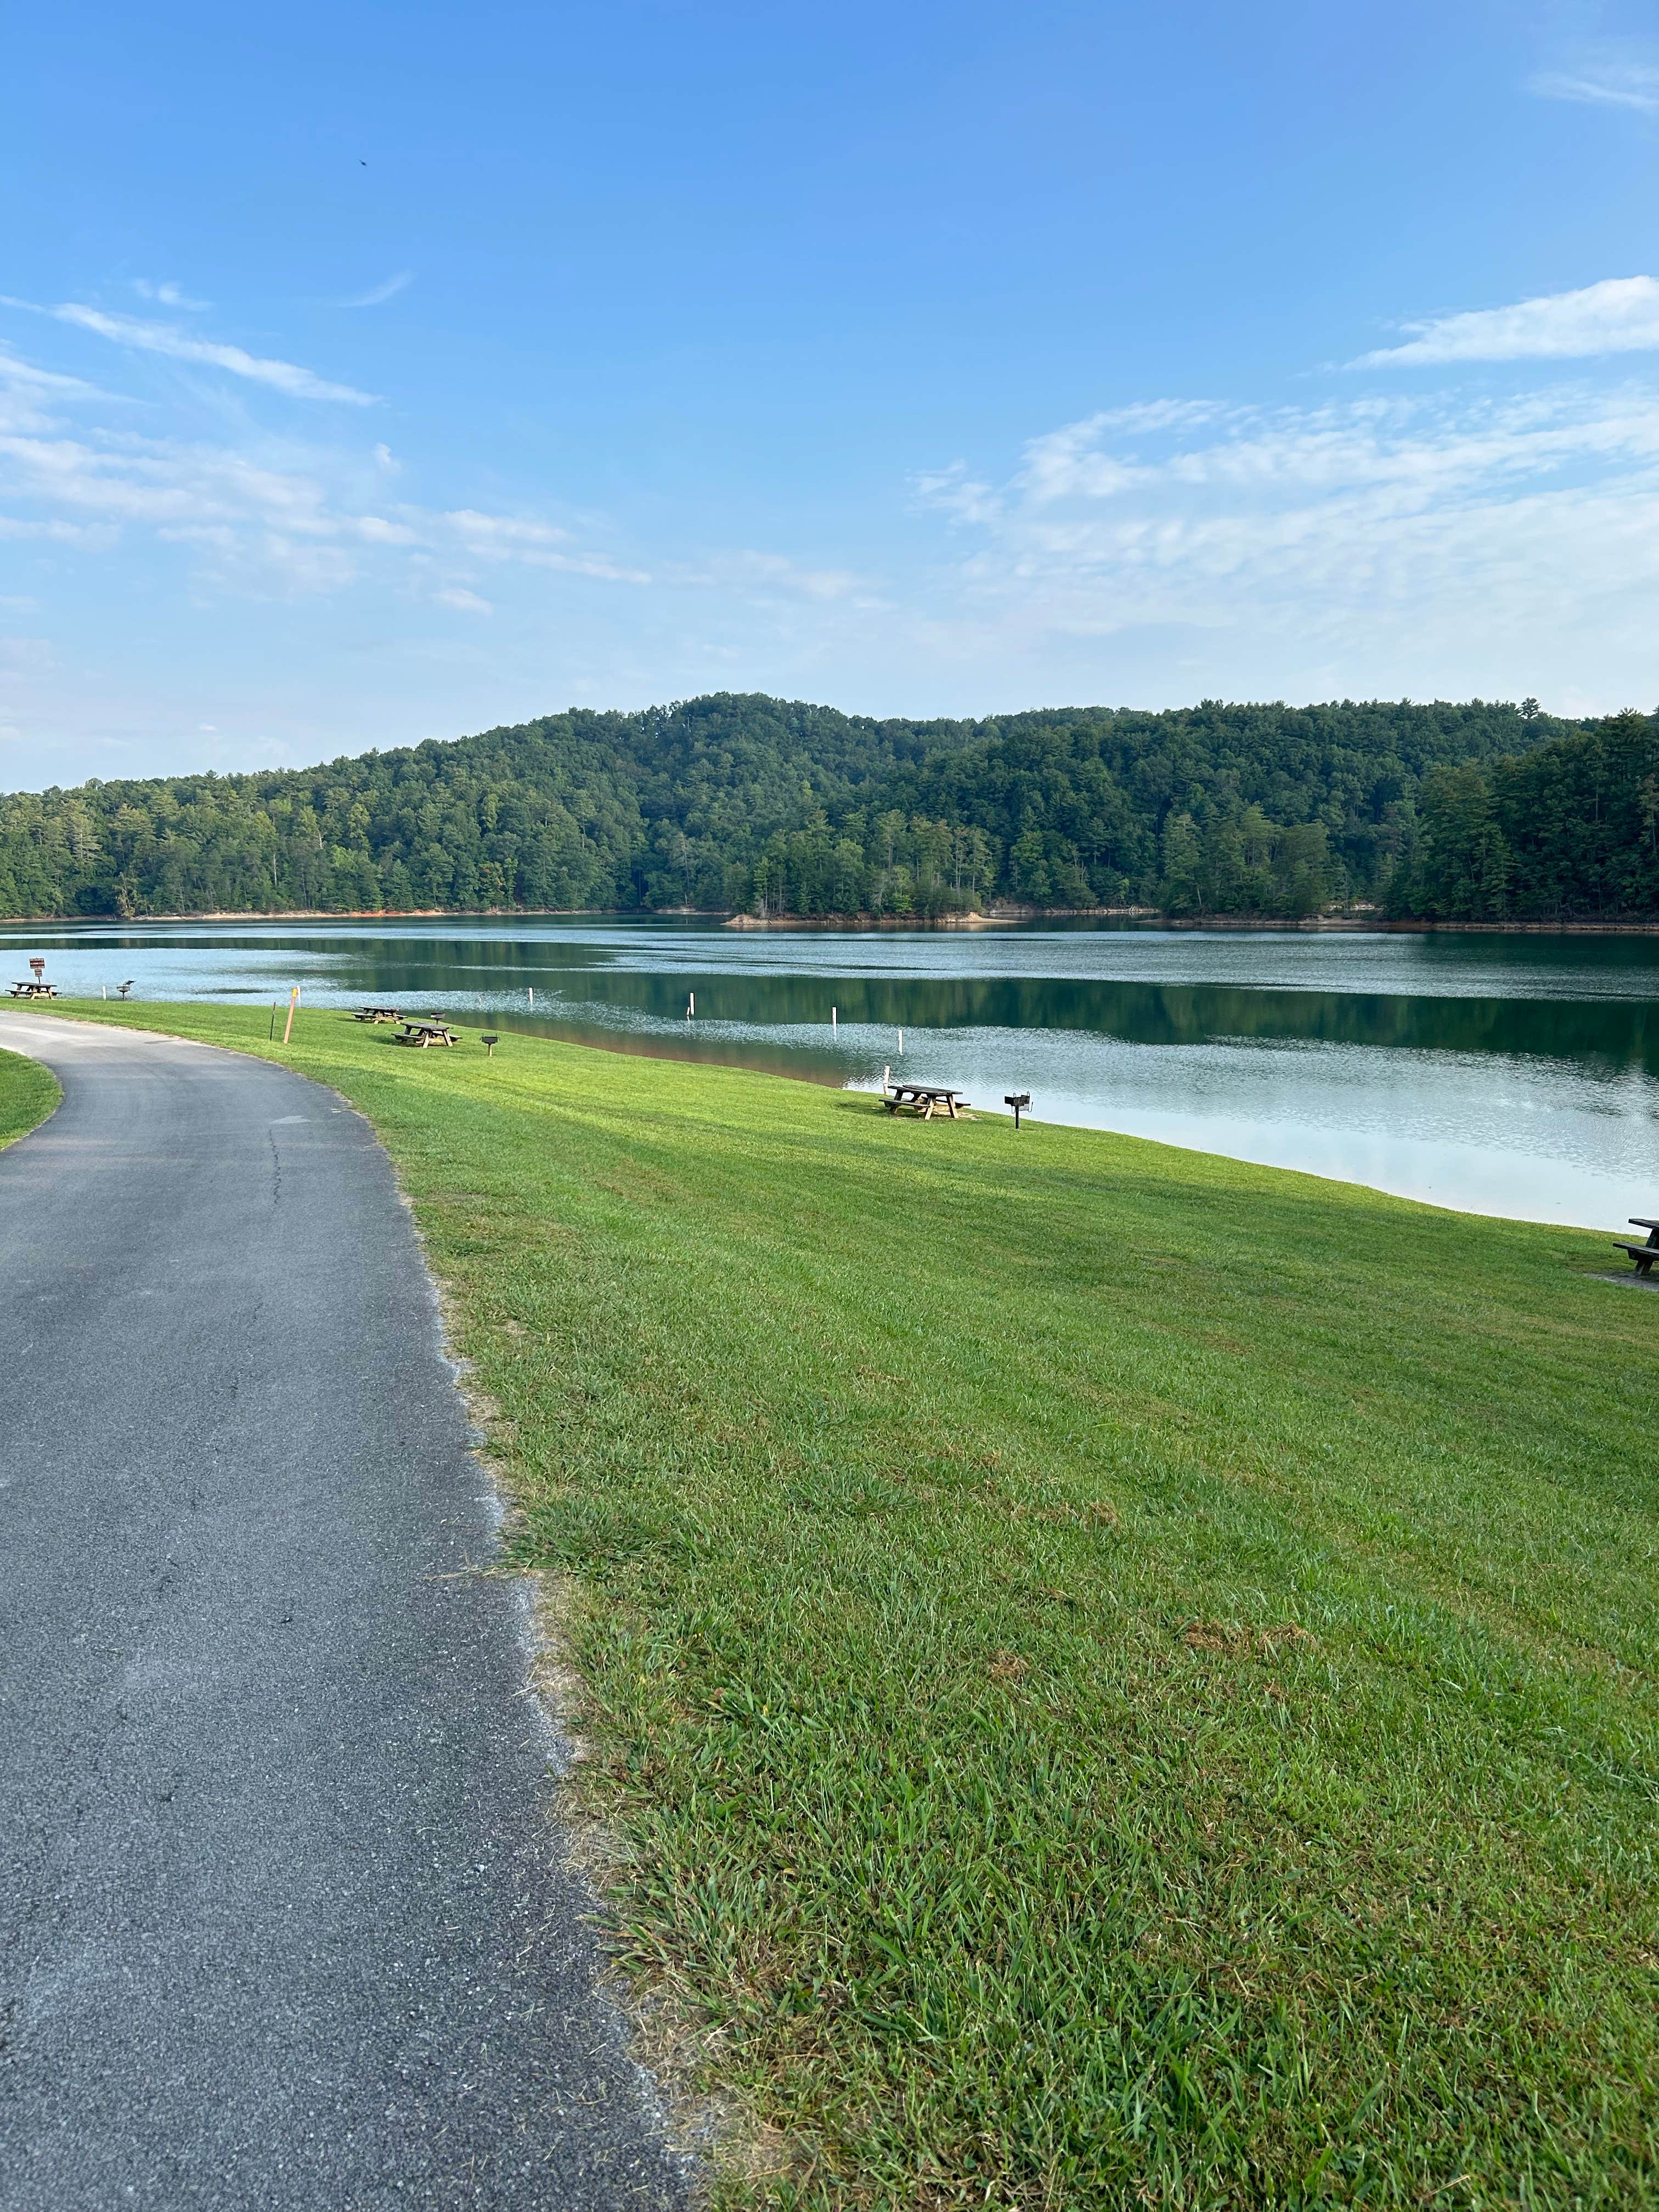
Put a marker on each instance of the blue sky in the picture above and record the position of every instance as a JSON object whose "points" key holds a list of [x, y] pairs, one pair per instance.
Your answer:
{"points": [[370, 373]]}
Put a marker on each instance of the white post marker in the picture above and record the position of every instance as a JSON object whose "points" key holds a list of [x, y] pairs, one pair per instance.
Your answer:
{"points": [[835, 1017], [533, 994]]}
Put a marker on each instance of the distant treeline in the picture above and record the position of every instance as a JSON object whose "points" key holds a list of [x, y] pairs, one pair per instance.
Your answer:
{"points": [[1480, 812]]}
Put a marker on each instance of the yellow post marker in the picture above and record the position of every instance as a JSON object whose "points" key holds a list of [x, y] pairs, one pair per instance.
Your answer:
{"points": [[292, 1002]]}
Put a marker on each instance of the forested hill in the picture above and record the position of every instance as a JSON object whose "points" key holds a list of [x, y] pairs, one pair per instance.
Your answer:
{"points": [[1479, 810]]}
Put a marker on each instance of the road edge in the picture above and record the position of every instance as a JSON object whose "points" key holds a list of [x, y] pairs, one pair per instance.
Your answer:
{"points": [[700, 2131]]}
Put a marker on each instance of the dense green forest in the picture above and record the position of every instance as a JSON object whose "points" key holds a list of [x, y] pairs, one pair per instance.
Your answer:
{"points": [[1478, 811]]}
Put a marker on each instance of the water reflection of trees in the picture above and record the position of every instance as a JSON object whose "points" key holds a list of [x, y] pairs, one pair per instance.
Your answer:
{"points": [[455, 966], [1616, 1033]]}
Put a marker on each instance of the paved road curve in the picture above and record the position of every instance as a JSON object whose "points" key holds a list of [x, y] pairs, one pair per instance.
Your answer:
{"points": [[282, 1919]]}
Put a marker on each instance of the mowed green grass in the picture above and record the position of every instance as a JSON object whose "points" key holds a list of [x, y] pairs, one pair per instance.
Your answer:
{"points": [[27, 1094], [1123, 1678]]}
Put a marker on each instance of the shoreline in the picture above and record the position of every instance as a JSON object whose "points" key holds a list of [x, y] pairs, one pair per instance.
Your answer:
{"points": [[1003, 915], [689, 1052]]}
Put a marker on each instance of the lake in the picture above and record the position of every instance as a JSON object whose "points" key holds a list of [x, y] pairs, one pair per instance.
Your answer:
{"points": [[1506, 1074]]}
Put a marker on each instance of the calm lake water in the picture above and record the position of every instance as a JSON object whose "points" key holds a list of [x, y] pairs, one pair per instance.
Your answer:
{"points": [[1512, 1075]]}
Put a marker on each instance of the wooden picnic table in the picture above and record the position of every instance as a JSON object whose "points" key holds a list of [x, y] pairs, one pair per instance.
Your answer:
{"points": [[1644, 1255], [34, 990], [378, 1014], [425, 1033], [923, 1098]]}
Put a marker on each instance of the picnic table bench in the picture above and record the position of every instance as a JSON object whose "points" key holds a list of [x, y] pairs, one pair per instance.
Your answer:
{"points": [[923, 1098], [378, 1014], [425, 1033], [34, 990], [1644, 1255]]}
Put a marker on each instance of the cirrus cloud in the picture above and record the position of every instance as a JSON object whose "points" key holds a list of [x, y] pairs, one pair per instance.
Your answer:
{"points": [[269, 515], [1605, 81], [167, 295], [1350, 535], [1618, 315], [285, 376], [379, 295]]}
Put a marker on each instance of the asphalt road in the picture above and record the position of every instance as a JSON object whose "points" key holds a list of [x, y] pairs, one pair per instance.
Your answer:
{"points": [[283, 1920]]}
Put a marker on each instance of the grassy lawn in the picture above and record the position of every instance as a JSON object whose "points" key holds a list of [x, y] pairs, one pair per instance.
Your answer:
{"points": [[27, 1095], [1121, 1678]]}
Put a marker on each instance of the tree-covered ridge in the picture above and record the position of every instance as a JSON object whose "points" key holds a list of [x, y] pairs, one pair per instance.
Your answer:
{"points": [[1478, 810]]}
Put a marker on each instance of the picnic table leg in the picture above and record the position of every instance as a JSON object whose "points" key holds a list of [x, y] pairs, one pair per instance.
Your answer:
{"points": [[952, 1103]]}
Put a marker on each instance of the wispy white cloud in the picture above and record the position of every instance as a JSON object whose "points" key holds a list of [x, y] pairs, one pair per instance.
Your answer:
{"points": [[125, 478], [599, 566], [1618, 315], [501, 535], [266, 515], [534, 545], [285, 376], [1608, 81], [770, 575], [1334, 529], [1151, 414], [54, 531], [377, 296], [955, 492], [28, 393], [1398, 449], [16, 370], [1070, 459], [167, 295]]}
